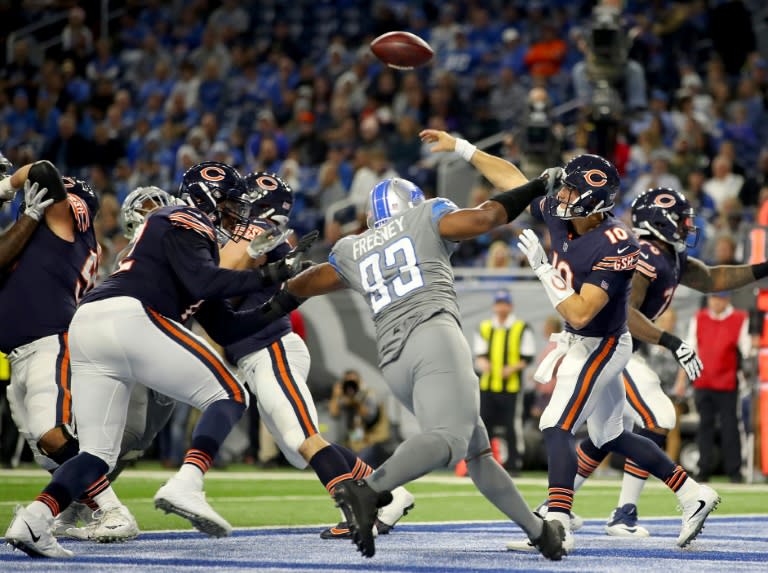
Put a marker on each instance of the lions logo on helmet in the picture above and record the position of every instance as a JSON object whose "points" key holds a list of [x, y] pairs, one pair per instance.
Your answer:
{"points": [[220, 192], [391, 197], [271, 196], [667, 215], [590, 185], [138, 204]]}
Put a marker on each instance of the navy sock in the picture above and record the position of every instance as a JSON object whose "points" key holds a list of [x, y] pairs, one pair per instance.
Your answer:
{"points": [[330, 467], [211, 430], [562, 465], [589, 457], [71, 480], [644, 452], [659, 439], [357, 466]]}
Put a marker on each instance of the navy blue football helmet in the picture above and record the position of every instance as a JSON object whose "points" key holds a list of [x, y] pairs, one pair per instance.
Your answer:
{"points": [[591, 184], [667, 215], [271, 196], [219, 191], [391, 197]]}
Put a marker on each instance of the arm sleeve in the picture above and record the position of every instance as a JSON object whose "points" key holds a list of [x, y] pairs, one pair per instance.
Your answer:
{"points": [[191, 258], [537, 207]]}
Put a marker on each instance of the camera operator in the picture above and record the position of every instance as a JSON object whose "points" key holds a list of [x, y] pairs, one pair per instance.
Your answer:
{"points": [[540, 136], [362, 418], [607, 81]]}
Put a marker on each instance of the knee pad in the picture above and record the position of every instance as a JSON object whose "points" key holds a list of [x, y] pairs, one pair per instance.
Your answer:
{"points": [[456, 444], [69, 450], [665, 415]]}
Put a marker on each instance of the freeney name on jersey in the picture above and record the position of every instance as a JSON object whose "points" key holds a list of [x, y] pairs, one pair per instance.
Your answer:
{"points": [[378, 237]]}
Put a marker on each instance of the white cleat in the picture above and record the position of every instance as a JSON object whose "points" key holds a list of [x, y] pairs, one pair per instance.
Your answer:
{"points": [[527, 546], [577, 521], [695, 512], [114, 524], [66, 524], [31, 534], [183, 498], [402, 502], [623, 523]]}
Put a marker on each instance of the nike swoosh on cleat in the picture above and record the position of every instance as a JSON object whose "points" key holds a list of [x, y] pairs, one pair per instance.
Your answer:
{"points": [[35, 538], [702, 503]]}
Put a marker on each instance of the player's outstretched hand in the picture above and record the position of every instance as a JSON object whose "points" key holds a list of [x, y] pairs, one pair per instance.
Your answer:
{"points": [[689, 361], [531, 247], [553, 178], [444, 140], [292, 264], [35, 202]]}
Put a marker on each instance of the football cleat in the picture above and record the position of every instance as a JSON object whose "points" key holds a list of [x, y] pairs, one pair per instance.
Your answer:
{"points": [[389, 515], [183, 498], [341, 531], [113, 524], [31, 533], [554, 542], [360, 504], [623, 522], [66, 523], [695, 512], [576, 520]]}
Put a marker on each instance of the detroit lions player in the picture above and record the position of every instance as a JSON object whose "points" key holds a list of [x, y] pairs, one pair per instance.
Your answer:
{"points": [[594, 253], [60, 254], [128, 330], [275, 364], [663, 219], [401, 265]]}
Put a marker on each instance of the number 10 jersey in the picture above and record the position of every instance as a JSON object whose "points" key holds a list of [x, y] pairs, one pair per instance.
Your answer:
{"points": [[403, 270]]}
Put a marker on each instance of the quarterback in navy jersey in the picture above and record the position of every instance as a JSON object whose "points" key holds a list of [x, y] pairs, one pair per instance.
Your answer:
{"points": [[129, 331], [663, 219], [595, 349], [275, 362]]}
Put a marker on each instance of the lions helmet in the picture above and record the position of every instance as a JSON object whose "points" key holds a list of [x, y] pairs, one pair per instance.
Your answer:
{"points": [[590, 185], [272, 197], [665, 214], [5, 166], [138, 204], [391, 197], [219, 191]]}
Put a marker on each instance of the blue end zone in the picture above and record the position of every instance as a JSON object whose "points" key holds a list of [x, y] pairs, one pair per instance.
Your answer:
{"points": [[727, 544]]}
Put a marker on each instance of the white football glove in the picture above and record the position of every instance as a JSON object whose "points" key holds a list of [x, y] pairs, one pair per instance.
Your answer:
{"points": [[531, 247], [689, 361], [34, 205], [553, 178]]}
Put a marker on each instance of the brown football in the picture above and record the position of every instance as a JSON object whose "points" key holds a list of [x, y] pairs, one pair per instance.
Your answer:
{"points": [[401, 50]]}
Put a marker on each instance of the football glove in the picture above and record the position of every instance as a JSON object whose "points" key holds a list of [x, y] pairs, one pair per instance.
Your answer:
{"points": [[291, 264], [553, 179], [34, 200], [684, 354], [531, 247]]}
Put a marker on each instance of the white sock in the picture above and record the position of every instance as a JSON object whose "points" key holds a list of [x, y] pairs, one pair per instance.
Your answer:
{"points": [[563, 518], [190, 472], [40, 509], [631, 488], [688, 491], [578, 481], [107, 499]]}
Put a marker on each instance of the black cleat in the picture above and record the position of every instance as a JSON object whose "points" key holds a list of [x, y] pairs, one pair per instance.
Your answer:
{"points": [[338, 531], [550, 542], [360, 503]]}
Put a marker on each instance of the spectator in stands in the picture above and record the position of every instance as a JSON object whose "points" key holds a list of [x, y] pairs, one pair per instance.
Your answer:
{"points": [[229, 20], [659, 176], [545, 54], [724, 183], [720, 335], [76, 33], [68, 150]]}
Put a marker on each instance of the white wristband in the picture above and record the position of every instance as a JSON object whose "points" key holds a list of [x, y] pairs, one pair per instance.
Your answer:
{"points": [[465, 149], [6, 189], [554, 285]]}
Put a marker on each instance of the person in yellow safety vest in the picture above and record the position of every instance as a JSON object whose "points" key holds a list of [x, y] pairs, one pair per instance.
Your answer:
{"points": [[503, 347]]}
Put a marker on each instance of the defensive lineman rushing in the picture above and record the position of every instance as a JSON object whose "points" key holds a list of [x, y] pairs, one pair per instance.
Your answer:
{"points": [[52, 244], [401, 266], [274, 362], [126, 332], [588, 282]]}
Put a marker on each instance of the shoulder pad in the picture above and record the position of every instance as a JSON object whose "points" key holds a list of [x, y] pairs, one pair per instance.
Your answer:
{"points": [[190, 218]]}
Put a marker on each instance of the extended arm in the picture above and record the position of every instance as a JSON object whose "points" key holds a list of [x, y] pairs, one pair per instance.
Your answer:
{"points": [[704, 278], [317, 280]]}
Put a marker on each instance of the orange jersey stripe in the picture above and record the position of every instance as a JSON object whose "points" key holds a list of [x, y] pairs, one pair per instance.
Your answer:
{"points": [[189, 222], [292, 390], [584, 390], [208, 356]]}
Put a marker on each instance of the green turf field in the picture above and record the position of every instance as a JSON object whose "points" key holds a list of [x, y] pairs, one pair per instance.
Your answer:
{"points": [[289, 497]]}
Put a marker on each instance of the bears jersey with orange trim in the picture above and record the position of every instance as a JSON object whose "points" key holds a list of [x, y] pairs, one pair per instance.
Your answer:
{"points": [[663, 270]]}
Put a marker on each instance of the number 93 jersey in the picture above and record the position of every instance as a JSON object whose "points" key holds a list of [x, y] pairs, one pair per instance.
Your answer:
{"points": [[605, 256], [403, 270]]}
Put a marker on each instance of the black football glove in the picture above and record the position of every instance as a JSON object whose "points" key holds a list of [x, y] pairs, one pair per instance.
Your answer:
{"points": [[290, 265], [684, 354], [279, 305]]}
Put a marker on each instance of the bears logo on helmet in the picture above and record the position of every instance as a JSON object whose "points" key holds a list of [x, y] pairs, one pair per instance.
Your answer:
{"points": [[590, 185], [272, 197], [666, 214]]}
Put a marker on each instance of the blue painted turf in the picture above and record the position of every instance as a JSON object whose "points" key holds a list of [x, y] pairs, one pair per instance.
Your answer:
{"points": [[728, 544]]}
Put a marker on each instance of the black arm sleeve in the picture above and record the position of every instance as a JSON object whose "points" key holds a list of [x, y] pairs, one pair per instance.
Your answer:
{"points": [[516, 200], [191, 258], [46, 175], [225, 325]]}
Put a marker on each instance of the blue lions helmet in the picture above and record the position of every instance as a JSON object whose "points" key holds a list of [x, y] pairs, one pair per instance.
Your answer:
{"points": [[271, 196], [666, 215], [138, 204], [391, 197], [219, 191], [590, 185]]}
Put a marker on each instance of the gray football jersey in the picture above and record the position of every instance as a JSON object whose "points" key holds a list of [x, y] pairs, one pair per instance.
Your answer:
{"points": [[403, 270]]}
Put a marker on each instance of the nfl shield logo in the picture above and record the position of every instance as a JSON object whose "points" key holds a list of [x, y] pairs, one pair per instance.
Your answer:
{"points": [[604, 285]]}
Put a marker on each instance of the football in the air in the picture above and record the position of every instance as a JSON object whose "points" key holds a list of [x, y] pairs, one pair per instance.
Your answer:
{"points": [[401, 50]]}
